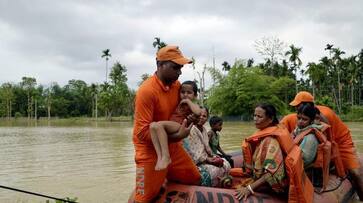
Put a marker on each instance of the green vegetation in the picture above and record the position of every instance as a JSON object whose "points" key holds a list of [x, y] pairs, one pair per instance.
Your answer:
{"points": [[334, 80], [76, 99]]}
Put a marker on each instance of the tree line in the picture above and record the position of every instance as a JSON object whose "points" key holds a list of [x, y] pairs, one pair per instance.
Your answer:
{"points": [[75, 99], [335, 80]]}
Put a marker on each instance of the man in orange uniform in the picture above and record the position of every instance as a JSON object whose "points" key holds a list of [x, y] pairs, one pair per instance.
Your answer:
{"points": [[156, 100], [339, 133]]}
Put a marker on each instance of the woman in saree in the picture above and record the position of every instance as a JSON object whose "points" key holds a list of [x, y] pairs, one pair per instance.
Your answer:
{"points": [[272, 161], [212, 168]]}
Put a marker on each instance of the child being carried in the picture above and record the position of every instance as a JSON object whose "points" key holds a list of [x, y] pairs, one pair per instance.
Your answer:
{"points": [[162, 130]]}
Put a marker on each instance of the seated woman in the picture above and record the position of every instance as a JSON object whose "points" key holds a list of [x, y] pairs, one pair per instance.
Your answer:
{"points": [[212, 168], [272, 159], [316, 149]]}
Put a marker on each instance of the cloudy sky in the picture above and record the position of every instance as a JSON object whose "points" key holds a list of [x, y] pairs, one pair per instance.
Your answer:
{"points": [[55, 41]]}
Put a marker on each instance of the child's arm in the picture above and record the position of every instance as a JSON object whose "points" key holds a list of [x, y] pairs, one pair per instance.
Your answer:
{"points": [[193, 107], [221, 151], [210, 134]]}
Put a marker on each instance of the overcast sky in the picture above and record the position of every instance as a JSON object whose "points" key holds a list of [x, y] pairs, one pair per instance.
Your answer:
{"points": [[55, 41]]}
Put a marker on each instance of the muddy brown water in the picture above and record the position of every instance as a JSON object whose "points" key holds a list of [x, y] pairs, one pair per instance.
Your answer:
{"points": [[91, 161]]}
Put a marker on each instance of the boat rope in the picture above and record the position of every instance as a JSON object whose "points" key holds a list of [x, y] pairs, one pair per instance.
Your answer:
{"points": [[36, 194]]}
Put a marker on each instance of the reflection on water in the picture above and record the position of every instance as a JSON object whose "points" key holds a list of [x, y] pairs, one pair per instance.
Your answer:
{"points": [[93, 162]]}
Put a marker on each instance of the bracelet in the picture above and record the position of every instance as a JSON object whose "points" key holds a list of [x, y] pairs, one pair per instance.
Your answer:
{"points": [[250, 189]]}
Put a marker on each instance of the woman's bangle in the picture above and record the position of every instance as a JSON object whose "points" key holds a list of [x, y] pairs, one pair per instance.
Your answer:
{"points": [[250, 189]]}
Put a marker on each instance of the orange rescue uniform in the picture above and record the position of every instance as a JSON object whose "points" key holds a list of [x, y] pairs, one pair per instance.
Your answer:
{"points": [[156, 102], [300, 188], [339, 134]]}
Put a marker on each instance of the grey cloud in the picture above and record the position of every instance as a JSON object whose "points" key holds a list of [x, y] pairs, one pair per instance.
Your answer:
{"points": [[71, 34]]}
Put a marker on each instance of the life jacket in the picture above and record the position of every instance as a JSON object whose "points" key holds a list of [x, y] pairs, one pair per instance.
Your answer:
{"points": [[291, 120], [300, 188], [335, 157], [323, 155]]}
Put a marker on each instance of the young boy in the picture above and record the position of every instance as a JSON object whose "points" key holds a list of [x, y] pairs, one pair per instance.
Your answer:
{"points": [[216, 123]]}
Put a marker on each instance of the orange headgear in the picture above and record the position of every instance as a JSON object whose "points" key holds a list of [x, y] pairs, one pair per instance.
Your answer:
{"points": [[302, 96], [172, 53]]}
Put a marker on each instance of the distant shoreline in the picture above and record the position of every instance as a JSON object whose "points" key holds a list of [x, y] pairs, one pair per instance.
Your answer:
{"points": [[345, 118]]}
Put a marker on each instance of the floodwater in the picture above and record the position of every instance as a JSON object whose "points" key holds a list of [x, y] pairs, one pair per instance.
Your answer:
{"points": [[91, 161]]}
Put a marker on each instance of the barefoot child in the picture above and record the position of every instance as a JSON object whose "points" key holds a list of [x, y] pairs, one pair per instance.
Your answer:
{"points": [[216, 124], [162, 130]]}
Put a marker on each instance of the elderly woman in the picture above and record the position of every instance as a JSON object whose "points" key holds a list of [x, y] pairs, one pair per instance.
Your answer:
{"points": [[271, 159], [212, 168]]}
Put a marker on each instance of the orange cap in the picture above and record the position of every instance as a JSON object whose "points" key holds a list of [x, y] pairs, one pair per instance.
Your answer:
{"points": [[302, 96], [172, 53]]}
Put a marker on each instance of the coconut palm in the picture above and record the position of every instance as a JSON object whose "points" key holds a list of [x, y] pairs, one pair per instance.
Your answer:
{"points": [[158, 43], [328, 47], [352, 74], [225, 66], [294, 59], [28, 84], [360, 74], [8, 96], [316, 74], [337, 60], [94, 93], [106, 54], [250, 62]]}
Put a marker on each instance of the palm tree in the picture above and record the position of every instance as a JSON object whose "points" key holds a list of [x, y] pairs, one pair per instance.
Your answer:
{"points": [[226, 67], [360, 74], [337, 62], [8, 95], [316, 74], [94, 93], [294, 59], [250, 62], [106, 53], [48, 94], [28, 84], [158, 43], [328, 47], [352, 75]]}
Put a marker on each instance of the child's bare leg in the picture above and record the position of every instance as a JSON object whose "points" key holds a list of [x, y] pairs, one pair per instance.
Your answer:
{"points": [[163, 129], [155, 140]]}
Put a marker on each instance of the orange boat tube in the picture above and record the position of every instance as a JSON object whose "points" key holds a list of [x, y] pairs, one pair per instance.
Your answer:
{"points": [[338, 190]]}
